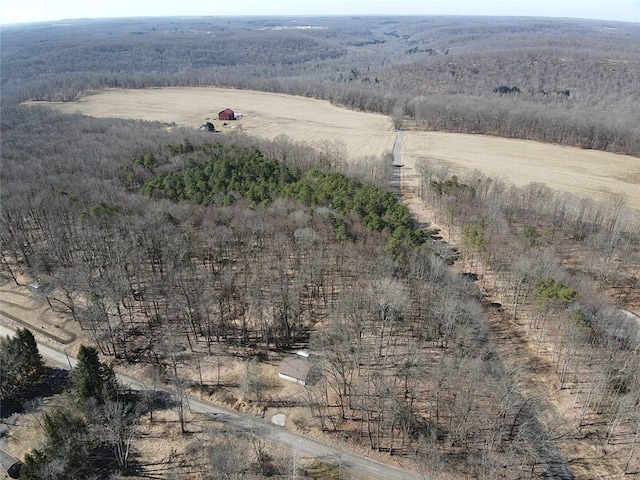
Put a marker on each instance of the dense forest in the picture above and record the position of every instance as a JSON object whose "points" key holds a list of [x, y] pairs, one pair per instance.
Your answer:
{"points": [[571, 82], [179, 253]]}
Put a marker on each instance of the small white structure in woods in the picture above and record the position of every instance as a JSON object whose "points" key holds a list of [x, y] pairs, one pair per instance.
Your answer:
{"points": [[633, 326]]}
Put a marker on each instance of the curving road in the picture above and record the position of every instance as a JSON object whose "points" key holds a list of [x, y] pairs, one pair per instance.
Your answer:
{"points": [[362, 467]]}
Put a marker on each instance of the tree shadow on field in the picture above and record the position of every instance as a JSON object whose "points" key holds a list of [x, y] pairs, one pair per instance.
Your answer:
{"points": [[53, 381]]}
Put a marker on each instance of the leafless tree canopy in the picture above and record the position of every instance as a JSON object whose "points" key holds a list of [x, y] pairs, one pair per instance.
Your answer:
{"points": [[572, 82], [413, 358]]}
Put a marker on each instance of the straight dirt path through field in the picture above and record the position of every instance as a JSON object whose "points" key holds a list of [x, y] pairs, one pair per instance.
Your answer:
{"points": [[588, 173], [592, 174], [563, 455]]}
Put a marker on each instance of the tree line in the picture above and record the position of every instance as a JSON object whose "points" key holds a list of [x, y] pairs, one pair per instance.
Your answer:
{"points": [[90, 428], [21, 364], [264, 266], [522, 243], [176, 283], [407, 369], [231, 173], [519, 78]]}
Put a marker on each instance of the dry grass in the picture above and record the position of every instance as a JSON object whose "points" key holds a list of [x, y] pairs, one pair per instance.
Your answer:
{"points": [[589, 173], [595, 174], [265, 115], [25, 434], [21, 307], [600, 175]]}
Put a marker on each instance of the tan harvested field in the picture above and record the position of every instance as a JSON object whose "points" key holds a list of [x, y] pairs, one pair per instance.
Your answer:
{"points": [[264, 115], [589, 173]]}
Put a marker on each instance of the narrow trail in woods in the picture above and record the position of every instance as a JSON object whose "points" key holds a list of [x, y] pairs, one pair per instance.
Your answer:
{"points": [[532, 376]]}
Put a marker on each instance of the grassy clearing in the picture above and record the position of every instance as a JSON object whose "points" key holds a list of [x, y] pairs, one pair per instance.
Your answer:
{"points": [[594, 174]]}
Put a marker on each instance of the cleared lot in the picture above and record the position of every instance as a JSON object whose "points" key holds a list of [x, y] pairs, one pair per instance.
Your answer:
{"points": [[594, 174], [265, 115], [589, 173]]}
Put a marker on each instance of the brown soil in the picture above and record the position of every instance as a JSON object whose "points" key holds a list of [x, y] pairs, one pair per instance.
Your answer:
{"points": [[22, 306]]}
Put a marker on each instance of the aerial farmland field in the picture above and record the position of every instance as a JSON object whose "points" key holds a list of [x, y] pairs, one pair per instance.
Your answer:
{"points": [[589, 173]]}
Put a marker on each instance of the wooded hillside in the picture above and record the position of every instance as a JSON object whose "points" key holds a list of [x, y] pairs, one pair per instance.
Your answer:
{"points": [[572, 82], [504, 354]]}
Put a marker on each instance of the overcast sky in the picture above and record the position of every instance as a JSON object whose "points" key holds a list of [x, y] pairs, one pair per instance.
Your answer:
{"points": [[20, 11]]}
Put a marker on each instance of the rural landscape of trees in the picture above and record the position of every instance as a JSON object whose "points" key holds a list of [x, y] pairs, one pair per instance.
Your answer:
{"points": [[561, 81], [183, 252]]}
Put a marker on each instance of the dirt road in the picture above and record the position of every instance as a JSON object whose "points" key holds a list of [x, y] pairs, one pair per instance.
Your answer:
{"points": [[589, 173], [362, 467], [511, 360]]}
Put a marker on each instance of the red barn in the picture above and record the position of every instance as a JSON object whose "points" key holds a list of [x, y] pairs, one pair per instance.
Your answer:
{"points": [[226, 114]]}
